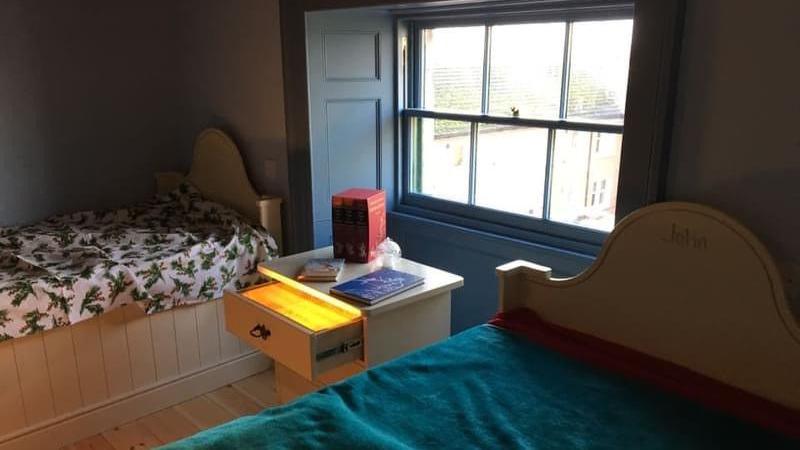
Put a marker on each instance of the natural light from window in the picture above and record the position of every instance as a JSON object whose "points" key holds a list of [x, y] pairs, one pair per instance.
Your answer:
{"points": [[531, 121]]}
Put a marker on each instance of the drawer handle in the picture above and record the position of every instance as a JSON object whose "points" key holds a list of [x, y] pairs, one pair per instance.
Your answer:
{"points": [[260, 331]]}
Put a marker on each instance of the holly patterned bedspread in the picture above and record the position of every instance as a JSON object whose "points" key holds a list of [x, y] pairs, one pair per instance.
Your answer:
{"points": [[174, 250]]}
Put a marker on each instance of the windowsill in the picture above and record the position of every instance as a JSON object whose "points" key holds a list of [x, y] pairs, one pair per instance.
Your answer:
{"points": [[561, 236], [442, 239], [505, 235]]}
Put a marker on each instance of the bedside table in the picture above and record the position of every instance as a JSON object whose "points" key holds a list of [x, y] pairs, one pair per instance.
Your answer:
{"points": [[316, 339]]}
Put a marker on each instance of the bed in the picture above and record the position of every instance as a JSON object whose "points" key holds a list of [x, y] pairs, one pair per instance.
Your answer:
{"points": [[176, 249], [678, 336], [120, 307]]}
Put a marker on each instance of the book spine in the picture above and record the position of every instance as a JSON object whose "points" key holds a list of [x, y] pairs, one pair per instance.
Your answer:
{"points": [[361, 232], [342, 227], [336, 223], [349, 231]]}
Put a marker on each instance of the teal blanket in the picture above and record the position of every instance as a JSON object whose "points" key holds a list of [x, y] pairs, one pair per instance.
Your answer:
{"points": [[487, 388]]}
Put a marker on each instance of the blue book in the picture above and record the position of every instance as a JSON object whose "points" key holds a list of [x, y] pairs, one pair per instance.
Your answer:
{"points": [[377, 286]]}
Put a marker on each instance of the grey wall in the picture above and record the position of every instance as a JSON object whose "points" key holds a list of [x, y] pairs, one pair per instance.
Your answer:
{"points": [[87, 104], [232, 78], [737, 133], [95, 96]]}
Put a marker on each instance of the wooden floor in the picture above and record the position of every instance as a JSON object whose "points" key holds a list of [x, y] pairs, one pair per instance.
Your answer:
{"points": [[244, 397]]}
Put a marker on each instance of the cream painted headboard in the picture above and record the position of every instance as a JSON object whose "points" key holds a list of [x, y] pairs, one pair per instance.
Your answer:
{"points": [[218, 172], [682, 282]]}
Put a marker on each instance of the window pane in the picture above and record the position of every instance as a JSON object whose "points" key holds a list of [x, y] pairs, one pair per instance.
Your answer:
{"points": [[525, 70], [440, 161], [453, 69], [585, 178], [599, 72], [511, 169]]}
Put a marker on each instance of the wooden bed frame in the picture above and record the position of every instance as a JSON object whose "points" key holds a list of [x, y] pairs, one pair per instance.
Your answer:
{"points": [[69, 383], [218, 172], [684, 283]]}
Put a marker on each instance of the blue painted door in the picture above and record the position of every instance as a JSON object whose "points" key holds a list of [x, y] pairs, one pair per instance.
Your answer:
{"points": [[351, 106]]}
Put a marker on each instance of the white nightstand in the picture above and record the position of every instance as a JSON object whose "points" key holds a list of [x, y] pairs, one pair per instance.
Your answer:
{"points": [[310, 355]]}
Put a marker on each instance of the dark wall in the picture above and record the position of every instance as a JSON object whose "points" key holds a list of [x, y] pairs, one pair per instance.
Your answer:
{"points": [[232, 78], [87, 104], [737, 133], [96, 96]]}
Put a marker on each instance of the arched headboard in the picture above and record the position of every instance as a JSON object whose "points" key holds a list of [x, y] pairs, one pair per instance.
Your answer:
{"points": [[219, 174], [684, 283]]}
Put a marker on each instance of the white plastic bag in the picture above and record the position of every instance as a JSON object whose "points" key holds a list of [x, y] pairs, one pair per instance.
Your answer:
{"points": [[389, 253]]}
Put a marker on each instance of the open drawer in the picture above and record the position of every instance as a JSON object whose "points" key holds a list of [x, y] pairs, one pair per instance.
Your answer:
{"points": [[307, 333]]}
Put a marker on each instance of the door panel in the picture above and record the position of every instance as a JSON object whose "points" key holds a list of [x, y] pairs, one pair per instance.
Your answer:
{"points": [[351, 106], [351, 56], [353, 144]]}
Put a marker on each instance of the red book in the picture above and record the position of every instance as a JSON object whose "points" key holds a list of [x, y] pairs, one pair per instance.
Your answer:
{"points": [[359, 223]]}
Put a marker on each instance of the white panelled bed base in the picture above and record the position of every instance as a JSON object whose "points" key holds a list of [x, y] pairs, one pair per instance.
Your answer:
{"points": [[69, 383]]}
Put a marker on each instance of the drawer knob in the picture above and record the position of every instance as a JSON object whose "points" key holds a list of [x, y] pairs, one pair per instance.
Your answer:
{"points": [[260, 331]]}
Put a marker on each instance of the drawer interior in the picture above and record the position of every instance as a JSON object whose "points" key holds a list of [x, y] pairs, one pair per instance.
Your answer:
{"points": [[316, 313]]}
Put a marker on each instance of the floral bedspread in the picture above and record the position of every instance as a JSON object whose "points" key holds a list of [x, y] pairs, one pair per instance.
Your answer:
{"points": [[173, 250]]}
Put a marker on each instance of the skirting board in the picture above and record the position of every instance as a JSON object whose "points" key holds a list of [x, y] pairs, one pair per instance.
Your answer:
{"points": [[117, 411], [53, 375]]}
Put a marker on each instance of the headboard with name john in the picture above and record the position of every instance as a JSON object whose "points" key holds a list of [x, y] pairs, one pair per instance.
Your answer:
{"points": [[684, 283]]}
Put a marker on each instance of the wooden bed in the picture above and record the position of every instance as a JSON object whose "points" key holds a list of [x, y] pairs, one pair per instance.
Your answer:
{"points": [[68, 383], [628, 354], [684, 283]]}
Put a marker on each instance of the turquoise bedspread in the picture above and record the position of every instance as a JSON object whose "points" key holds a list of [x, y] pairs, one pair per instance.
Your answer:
{"points": [[487, 388]]}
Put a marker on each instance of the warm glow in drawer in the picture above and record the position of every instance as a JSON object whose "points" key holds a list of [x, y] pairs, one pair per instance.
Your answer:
{"points": [[313, 312]]}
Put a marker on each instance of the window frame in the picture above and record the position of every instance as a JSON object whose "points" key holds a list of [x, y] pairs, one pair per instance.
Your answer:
{"points": [[649, 110], [537, 230]]}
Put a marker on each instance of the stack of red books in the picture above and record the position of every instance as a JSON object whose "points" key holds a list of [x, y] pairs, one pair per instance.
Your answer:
{"points": [[359, 223]]}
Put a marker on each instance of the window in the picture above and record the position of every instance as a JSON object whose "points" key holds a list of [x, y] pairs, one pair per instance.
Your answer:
{"points": [[519, 123], [602, 192]]}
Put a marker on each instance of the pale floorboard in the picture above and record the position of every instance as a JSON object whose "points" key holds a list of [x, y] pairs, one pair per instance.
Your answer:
{"points": [[260, 387], [133, 436], [204, 412], [169, 425], [234, 401], [97, 442], [244, 397]]}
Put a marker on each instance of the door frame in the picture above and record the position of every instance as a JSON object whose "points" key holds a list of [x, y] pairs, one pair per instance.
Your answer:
{"points": [[299, 235]]}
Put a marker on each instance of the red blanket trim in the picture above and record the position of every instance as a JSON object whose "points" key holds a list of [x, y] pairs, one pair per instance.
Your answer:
{"points": [[663, 374]]}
